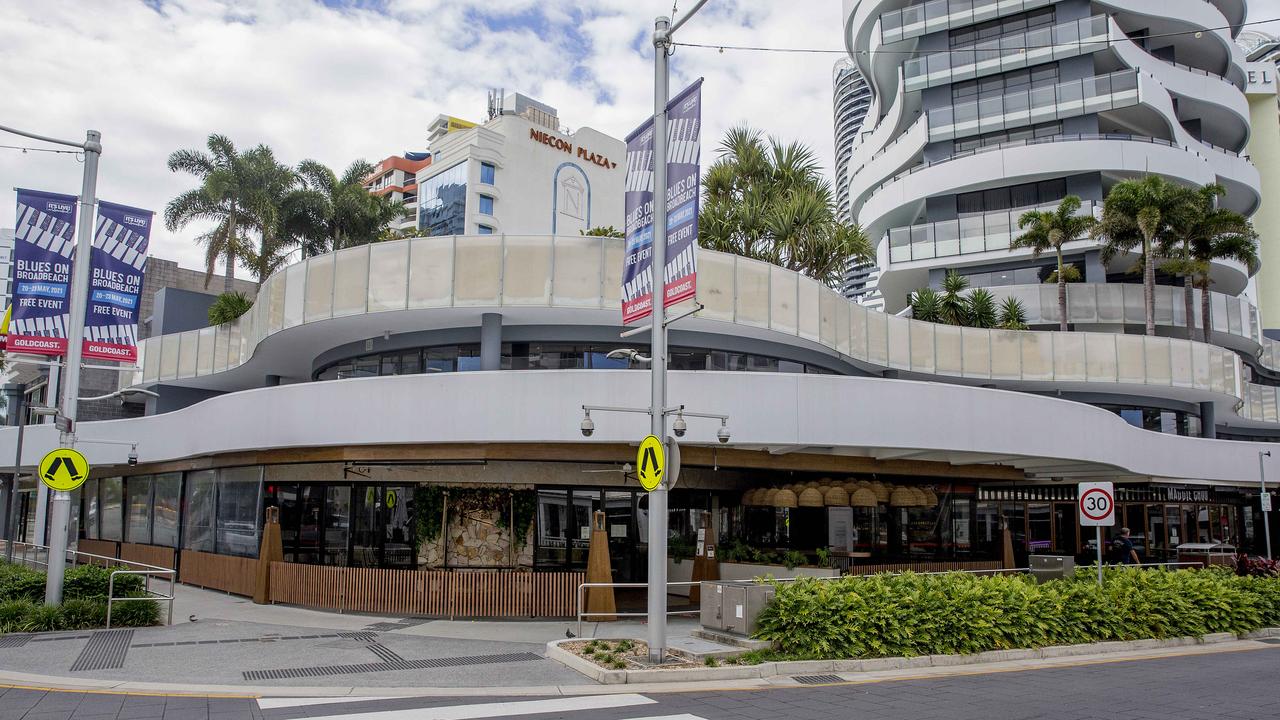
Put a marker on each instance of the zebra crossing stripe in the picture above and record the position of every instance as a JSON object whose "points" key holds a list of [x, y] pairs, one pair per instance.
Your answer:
{"points": [[502, 709]]}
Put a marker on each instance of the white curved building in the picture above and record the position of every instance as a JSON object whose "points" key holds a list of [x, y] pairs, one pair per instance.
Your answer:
{"points": [[984, 109]]}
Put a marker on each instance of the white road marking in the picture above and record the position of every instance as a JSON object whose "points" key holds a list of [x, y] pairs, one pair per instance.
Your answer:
{"points": [[284, 702], [508, 709]]}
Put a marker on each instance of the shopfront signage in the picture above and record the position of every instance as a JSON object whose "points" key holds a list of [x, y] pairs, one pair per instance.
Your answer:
{"points": [[650, 463], [1185, 495], [64, 469], [1097, 504], [555, 141]]}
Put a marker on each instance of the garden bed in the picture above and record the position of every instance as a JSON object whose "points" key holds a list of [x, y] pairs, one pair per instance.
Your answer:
{"points": [[912, 615], [84, 592]]}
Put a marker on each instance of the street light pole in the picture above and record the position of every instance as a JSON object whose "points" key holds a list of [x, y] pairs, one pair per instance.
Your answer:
{"points": [[75, 339], [657, 589], [1262, 481]]}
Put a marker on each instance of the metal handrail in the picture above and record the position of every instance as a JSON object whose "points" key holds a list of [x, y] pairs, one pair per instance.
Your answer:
{"points": [[582, 614], [147, 572]]}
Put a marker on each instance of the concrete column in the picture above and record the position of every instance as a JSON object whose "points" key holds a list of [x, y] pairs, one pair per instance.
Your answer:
{"points": [[1094, 270], [1208, 423], [491, 341]]}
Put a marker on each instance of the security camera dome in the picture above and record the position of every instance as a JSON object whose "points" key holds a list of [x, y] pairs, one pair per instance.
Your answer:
{"points": [[588, 426], [722, 434]]}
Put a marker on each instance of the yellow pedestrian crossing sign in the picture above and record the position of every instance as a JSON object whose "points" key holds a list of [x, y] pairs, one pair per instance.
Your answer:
{"points": [[64, 469], [650, 463]]}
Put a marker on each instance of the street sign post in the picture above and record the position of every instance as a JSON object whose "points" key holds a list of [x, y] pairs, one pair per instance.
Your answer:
{"points": [[1266, 502], [1097, 506], [650, 463]]}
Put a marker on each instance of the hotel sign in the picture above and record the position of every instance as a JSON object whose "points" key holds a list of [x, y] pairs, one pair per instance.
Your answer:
{"points": [[1261, 77], [552, 140]]}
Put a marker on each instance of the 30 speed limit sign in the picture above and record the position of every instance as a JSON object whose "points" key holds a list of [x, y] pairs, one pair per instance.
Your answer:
{"points": [[1097, 504]]}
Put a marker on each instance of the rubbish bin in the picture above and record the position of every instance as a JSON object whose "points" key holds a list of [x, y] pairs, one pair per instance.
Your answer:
{"points": [[1051, 567]]}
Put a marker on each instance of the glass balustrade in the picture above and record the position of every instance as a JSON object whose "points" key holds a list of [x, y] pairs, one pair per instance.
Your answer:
{"points": [[1045, 104], [581, 273], [963, 236], [917, 20], [1010, 52]]}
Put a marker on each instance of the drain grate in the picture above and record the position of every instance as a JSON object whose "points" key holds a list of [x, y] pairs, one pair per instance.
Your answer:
{"points": [[430, 663], [817, 679], [105, 650], [13, 641]]}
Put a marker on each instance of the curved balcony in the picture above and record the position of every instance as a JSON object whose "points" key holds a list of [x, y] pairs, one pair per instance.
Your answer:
{"points": [[1165, 16], [924, 18], [329, 300], [1234, 320]]}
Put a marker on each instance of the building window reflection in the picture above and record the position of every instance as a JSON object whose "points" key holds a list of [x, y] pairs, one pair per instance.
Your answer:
{"points": [[442, 202]]}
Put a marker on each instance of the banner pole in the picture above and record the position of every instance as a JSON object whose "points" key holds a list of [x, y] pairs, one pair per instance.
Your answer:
{"points": [[75, 341]]}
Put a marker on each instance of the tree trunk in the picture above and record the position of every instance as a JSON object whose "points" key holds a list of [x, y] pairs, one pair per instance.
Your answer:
{"points": [[1062, 294], [1187, 296], [1204, 309], [228, 281], [1149, 285]]}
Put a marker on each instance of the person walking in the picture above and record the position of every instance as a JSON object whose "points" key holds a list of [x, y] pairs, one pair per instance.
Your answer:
{"points": [[1123, 550]]}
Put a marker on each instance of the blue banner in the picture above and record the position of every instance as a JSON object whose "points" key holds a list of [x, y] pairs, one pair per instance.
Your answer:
{"points": [[119, 260], [43, 253], [684, 135]]}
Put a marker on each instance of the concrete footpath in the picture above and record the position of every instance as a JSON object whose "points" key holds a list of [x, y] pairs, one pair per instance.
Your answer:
{"points": [[225, 645]]}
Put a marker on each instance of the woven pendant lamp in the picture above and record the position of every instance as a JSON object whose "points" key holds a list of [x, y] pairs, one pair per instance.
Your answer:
{"points": [[902, 496], [785, 499], [863, 497], [765, 497], [930, 497], [810, 497], [749, 497], [812, 484], [836, 496], [881, 490]]}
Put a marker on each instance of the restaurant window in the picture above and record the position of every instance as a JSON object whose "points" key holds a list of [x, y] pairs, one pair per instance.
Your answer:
{"points": [[168, 498], [199, 506], [238, 502], [112, 490], [138, 527], [90, 514]]}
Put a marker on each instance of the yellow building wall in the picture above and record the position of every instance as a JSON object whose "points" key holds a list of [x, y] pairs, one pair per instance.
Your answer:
{"points": [[1264, 150]]}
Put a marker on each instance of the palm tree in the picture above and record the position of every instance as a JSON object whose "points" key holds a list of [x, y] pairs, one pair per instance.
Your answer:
{"points": [[1046, 230], [1142, 213], [953, 309], [980, 309], [1013, 316], [228, 307], [1205, 233], [331, 212], [769, 201], [274, 184], [926, 305], [602, 231], [224, 198]]}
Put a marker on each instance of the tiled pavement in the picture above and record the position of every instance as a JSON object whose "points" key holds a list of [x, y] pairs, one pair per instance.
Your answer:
{"points": [[1232, 685]]}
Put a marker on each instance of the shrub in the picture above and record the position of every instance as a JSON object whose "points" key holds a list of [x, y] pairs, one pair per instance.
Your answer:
{"points": [[21, 583], [911, 614], [44, 618], [13, 614], [87, 582], [83, 614], [135, 613]]}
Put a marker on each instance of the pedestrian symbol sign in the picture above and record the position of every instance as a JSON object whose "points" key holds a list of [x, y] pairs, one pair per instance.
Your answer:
{"points": [[650, 463], [64, 469]]}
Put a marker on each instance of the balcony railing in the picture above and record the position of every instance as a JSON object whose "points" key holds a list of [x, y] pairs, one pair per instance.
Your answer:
{"points": [[917, 20], [1019, 50], [1044, 104], [967, 235]]}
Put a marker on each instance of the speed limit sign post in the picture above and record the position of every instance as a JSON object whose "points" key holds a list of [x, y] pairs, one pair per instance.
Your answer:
{"points": [[1097, 505]]}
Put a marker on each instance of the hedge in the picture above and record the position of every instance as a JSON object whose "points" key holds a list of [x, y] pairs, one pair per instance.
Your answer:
{"points": [[911, 614], [84, 593]]}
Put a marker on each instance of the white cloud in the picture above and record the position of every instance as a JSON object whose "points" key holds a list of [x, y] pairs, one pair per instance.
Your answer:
{"points": [[339, 84]]}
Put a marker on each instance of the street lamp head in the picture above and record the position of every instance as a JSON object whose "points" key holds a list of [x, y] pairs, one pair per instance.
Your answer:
{"points": [[588, 425]]}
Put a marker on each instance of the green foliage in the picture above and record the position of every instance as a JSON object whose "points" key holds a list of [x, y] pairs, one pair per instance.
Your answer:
{"points": [[711, 662], [793, 559], [228, 307], [926, 305], [84, 614], [1013, 316], [135, 613], [958, 305], [1070, 272], [680, 548], [768, 200], [428, 508], [44, 618], [91, 582], [609, 231], [18, 582], [824, 557], [13, 614], [911, 614], [981, 308]]}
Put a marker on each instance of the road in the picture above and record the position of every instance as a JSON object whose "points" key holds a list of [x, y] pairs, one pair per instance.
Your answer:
{"points": [[1236, 685]]}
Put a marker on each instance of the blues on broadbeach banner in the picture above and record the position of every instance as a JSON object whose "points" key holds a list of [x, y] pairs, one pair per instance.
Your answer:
{"points": [[43, 251], [119, 259], [684, 132]]}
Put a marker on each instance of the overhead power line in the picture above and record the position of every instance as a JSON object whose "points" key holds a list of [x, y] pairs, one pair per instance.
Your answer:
{"points": [[829, 51]]}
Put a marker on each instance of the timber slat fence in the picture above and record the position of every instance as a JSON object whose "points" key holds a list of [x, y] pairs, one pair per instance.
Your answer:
{"points": [[922, 567], [441, 593], [221, 572]]}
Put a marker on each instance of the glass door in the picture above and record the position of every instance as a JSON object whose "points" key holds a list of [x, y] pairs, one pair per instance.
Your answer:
{"points": [[1065, 527], [366, 531], [382, 533], [337, 525], [399, 550], [619, 511]]}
